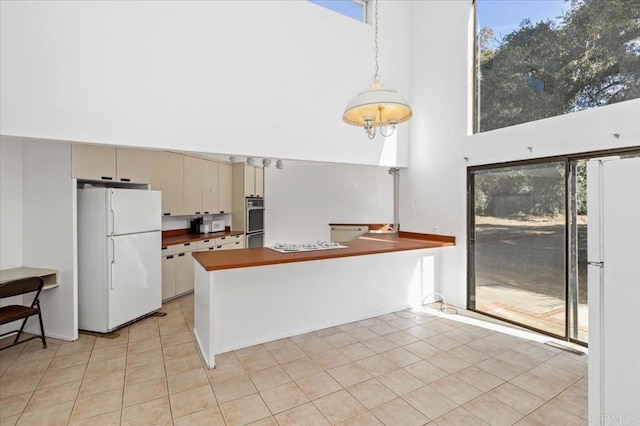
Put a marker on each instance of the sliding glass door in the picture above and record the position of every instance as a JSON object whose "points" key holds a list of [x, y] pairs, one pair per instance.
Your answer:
{"points": [[518, 239], [527, 243]]}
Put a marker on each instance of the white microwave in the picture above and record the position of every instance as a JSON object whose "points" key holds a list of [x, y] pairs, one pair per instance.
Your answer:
{"points": [[217, 226]]}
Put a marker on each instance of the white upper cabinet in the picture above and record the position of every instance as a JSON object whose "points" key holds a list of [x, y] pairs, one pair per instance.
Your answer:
{"points": [[189, 185], [225, 185], [111, 163], [133, 165], [192, 184], [211, 187], [259, 182], [94, 162], [249, 181], [167, 176], [253, 180], [202, 186]]}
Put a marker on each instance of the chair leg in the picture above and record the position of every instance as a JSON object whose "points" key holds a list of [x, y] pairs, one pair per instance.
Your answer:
{"points": [[24, 322], [44, 340]]}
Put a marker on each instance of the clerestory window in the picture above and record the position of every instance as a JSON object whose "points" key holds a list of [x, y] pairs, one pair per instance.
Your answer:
{"points": [[542, 58], [356, 9]]}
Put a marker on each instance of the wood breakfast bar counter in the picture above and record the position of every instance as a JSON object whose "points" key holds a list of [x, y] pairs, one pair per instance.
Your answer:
{"points": [[251, 296]]}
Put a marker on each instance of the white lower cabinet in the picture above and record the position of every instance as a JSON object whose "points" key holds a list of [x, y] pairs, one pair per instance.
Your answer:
{"points": [[230, 240], [341, 233], [206, 245], [177, 262], [177, 269], [184, 273], [232, 245], [169, 276]]}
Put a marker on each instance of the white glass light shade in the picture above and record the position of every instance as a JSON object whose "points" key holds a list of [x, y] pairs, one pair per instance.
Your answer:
{"points": [[378, 105]]}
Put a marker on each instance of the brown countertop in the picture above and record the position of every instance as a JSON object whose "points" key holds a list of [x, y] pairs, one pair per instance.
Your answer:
{"points": [[370, 243], [181, 236]]}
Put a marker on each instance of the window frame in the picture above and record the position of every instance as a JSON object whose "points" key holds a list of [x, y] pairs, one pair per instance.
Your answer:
{"points": [[366, 14]]}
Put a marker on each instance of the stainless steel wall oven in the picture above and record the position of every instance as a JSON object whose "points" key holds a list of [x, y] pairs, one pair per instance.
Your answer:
{"points": [[254, 222]]}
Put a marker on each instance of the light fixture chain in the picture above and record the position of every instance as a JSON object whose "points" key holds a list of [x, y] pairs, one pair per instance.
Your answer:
{"points": [[376, 77]]}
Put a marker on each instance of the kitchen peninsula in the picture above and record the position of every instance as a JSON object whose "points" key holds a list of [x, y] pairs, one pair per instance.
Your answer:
{"points": [[246, 297]]}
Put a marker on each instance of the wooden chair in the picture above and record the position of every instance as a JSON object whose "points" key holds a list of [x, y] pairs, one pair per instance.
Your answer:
{"points": [[20, 312]]}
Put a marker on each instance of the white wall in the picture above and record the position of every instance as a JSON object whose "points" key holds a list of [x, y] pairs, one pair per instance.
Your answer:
{"points": [[37, 226], [50, 230], [432, 191], [10, 214], [10, 203], [301, 201], [263, 78], [435, 182]]}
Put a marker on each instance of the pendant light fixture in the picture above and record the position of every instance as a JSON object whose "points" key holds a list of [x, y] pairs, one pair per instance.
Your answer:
{"points": [[377, 106]]}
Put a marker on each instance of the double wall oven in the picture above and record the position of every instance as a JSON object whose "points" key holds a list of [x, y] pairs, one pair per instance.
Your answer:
{"points": [[255, 222]]}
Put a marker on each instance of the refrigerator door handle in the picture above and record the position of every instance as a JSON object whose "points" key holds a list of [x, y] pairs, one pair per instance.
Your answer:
{"points": [[113, 259], [113, 213]]}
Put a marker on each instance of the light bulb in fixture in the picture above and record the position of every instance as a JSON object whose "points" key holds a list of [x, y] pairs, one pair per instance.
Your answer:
{"points": [[251, 161], [279, 165], [266, 162], [233, 159]]}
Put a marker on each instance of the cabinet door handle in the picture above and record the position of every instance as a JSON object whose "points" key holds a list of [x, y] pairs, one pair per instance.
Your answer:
{"points": [[125, 180], [170, 257], [206, 212], [106, 178], [221, 211], [197, 212], [166, 214], [181, 254]]}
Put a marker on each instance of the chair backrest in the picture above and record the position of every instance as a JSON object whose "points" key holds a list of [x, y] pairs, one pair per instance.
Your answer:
{"points": [[21, 286]]}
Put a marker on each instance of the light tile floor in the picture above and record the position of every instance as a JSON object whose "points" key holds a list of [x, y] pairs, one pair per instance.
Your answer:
{"points": [[406, 368]]}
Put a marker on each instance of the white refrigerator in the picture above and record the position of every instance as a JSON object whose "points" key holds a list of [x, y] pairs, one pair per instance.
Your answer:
{"points": [[119, 261], [613, 203]]}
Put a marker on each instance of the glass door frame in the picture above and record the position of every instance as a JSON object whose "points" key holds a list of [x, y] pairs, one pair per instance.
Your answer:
{"points": [[570, 238]]}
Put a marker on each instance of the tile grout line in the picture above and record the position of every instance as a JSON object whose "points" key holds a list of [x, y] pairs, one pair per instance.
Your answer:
{"points": [[124, 379], [38, 384]]}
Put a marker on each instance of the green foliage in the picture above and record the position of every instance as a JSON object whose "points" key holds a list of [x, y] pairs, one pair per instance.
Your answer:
{"points": [[581, 187], [531, 190], [540, 70]]}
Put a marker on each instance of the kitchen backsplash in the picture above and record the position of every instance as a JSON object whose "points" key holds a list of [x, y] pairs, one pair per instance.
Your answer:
{"points": [[181, 222]]}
